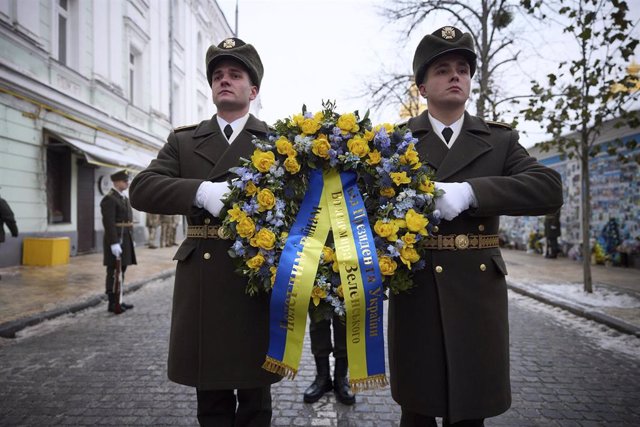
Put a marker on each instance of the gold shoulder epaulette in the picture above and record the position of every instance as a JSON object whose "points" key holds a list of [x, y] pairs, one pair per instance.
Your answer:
{"points": [[179, 128], [499, 124]]}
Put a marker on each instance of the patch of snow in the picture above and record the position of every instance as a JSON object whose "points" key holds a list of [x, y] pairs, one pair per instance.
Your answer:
{"points": [[600, 297]]}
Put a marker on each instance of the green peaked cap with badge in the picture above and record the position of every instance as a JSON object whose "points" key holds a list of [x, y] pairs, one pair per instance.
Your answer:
{"points": [[441, 42], [122, 175], [236, 49]]}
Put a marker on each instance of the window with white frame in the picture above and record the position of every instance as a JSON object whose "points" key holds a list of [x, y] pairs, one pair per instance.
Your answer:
{"points": [[62, 21], [135, 75]]}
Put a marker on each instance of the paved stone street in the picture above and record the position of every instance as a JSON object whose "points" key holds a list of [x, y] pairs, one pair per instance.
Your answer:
{"points": [[93, 368]]}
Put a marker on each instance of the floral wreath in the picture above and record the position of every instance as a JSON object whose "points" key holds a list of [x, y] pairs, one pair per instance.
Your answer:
{"points": [[266, 192]]}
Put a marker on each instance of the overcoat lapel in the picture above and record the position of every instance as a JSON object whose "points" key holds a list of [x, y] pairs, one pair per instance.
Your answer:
{"points": [[212, 144], [469, 146], [241, 147], [430, 147]]}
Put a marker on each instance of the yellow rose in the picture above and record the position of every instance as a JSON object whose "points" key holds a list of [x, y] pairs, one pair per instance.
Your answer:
{"points": [[250, 188], [409, 239], [291, 165], [320, 146], [400, 178], [255, 262], [296, 120], [410, 157], [358, 146], [427, 186], [348, 123], [246, 227], [264, 239], [263, 160], [416, 222], [388, 127], [328, 255], [283, 236], [266, 200], [374, 157], [310, 126], [387, 230], [387, 266], [319, 116], [387, 192], [236, 214], [317, 294], [409, 255], [369, 135], [340, 292], [285, 147]]}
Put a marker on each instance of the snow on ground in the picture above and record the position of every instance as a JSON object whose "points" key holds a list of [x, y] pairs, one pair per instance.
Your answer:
{"points": [[600, 297], [599, 334]]}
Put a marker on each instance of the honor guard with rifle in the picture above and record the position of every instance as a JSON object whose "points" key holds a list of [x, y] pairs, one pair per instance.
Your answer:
{"points": [[118, 247]]}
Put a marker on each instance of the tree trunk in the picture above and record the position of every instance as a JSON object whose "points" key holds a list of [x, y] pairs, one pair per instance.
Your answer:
{"points": [[585, 197]]}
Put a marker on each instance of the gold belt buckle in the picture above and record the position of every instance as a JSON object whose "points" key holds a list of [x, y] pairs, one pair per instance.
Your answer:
{"points": [[461, 241]]}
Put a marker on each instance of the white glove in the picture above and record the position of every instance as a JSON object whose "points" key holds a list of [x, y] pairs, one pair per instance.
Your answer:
{"points": [[209, 196], [116, 250], [457, 197]]}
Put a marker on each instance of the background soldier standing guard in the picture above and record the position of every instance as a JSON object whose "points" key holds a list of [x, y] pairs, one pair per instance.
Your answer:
{"points": [[118, 234], [219, 334], [152, 222], [449, 336]]}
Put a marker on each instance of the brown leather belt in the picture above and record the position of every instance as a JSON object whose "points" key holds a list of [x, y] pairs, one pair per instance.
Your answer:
{"points": [[124, 224], [454, 242], [206, 232]]}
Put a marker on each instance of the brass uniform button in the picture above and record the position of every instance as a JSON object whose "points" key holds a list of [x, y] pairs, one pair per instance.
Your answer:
{"points": [[438, 269], [481, 227], [483, 267], [207, 255], [435, 229], [207, 220]]}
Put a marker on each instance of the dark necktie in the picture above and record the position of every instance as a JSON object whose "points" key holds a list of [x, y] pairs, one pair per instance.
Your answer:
{"points": [[228, 131], [447, 132]]}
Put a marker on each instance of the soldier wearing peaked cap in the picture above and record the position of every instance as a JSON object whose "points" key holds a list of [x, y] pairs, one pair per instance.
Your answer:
{"points": [[219, 335], [118, 235], [449, 337]]}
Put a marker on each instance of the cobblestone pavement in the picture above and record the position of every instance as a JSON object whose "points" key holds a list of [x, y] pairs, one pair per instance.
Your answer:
{"points": [[93, 368]]}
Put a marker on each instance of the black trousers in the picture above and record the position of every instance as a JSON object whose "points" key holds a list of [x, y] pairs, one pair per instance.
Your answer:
{"points": [[222, 408], [414, 419], [110, 280], [320, 335]]}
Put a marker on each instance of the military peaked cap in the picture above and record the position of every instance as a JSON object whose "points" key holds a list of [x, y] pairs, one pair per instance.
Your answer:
{"points": [[122, 175], [442, 41], [234, 48]]}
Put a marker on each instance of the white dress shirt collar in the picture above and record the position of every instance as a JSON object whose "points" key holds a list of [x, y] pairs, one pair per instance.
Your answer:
{"points": [[237, 125], [438, 126]]}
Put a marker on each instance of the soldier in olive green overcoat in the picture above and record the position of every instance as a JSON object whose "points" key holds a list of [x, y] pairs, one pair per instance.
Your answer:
{"points": [[449, 337], [219, 334]]}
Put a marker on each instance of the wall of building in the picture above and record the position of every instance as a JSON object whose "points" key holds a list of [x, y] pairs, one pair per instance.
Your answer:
{"points": [[130, 70]]}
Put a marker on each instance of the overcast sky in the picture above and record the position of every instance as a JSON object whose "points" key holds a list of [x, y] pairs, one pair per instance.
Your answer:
{"points": [[324, 49]]}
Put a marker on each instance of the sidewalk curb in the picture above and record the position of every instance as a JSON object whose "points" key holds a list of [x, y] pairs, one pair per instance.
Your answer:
{"points": [[9, 329], [578, 310]]}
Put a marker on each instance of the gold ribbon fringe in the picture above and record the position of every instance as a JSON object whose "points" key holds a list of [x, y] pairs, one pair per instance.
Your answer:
{"points": [[277, 367], [369, 383]]}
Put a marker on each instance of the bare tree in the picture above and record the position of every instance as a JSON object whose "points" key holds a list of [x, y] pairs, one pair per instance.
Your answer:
{"points": [[588, 90], [485, 20]]}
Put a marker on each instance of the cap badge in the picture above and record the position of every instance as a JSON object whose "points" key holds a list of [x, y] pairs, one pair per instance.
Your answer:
{"points": [[448, 33], [229, 43]]}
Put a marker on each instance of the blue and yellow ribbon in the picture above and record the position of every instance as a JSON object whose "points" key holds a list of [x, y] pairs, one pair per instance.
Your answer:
{"points": [[333, 202]]}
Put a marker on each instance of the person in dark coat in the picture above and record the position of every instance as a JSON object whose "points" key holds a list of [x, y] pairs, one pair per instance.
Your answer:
{"points": [[449, 336], [118, 236], [219, 334], [7, 217], [551, 233]]}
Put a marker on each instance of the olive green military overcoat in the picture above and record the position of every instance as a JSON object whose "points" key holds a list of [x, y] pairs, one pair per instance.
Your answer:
{"points": [[219, 334], [449, 337], [115, 209]]}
